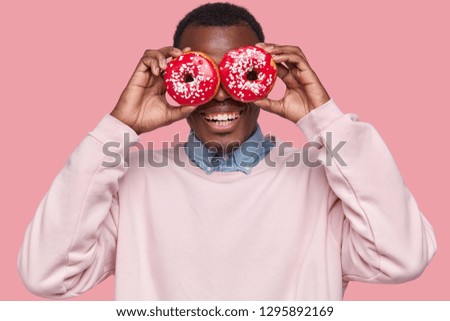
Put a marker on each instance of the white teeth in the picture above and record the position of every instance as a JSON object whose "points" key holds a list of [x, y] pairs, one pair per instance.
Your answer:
{"points": [[223, 123], [222, 117]]}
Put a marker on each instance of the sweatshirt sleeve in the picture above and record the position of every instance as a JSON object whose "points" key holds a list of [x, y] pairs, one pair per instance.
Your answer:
{"points": [[383, 235], [70, 244]]}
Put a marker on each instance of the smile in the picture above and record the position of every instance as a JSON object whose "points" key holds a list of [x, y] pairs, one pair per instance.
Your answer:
{"points": [[222, 119]]}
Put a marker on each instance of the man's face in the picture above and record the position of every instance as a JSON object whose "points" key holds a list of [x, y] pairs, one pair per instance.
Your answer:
{"points": [[216, 42]]}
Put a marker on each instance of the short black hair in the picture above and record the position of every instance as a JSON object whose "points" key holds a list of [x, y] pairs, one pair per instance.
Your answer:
{"points": [[221, 14]]}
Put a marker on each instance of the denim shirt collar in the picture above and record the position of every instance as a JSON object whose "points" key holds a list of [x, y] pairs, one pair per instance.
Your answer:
{"points": [[243, 158]]}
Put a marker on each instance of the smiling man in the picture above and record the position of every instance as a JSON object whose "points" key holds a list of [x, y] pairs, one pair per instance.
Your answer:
{"points": [[214, 228]]}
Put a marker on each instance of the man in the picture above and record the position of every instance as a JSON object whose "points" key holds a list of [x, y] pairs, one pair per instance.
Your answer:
{"points": [[206, 227]]}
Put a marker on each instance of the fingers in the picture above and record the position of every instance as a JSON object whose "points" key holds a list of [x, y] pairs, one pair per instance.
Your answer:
{"points": [[292, 60], [291, 56], [263, 103], [149, 63], [273, 106], [275, 49], [180, 112], [296, 72], [156, 60], [184, 50], [282, 71]]}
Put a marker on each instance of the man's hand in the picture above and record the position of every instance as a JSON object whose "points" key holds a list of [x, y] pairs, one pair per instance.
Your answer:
{"points": [[304, 92], [143, 105]]}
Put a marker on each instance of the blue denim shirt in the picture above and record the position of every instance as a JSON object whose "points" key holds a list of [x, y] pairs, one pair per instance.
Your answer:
{"points": [[243, 158]]}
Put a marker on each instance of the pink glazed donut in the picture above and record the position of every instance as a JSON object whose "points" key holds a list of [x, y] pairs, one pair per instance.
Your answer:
{"points": [[248, 73], [192, 79]]}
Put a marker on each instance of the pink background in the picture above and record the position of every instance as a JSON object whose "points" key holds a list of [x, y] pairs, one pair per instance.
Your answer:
{"points": [[63, 66]]}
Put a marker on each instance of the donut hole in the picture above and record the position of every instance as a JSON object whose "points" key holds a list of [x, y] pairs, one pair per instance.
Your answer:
{"points": [[188, 78], [252, 75]]}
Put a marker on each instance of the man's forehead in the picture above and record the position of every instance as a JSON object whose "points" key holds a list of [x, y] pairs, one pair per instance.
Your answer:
{"points": [[217, 41]]}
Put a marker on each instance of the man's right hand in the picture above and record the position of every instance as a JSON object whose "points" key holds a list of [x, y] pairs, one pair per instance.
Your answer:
{"points": [[143, 105]]}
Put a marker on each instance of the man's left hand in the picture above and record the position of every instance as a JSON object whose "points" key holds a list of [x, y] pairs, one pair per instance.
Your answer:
{"points": [[304, 92]]}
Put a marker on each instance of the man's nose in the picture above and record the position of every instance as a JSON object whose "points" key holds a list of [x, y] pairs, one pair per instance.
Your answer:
{"points": [[221, 95]]}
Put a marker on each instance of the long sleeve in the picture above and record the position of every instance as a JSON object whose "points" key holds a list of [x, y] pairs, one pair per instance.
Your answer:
{"points": [[70, 244], [384, 237]]}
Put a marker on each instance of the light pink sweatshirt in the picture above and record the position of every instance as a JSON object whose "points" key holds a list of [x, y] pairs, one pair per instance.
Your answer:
{"points": [[280, 233]]}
